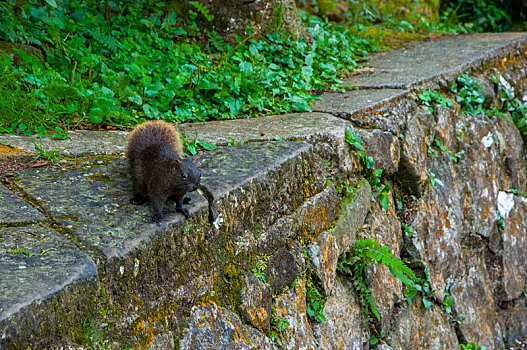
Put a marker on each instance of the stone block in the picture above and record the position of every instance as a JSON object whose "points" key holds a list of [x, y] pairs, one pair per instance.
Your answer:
{"points": [[256, 303]]}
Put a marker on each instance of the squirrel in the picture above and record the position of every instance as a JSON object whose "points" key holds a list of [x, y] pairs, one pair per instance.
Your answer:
{"points": [[157, 168]]}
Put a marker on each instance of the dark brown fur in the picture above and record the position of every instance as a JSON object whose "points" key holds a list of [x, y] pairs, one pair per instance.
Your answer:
{"points": [[157, 168]]}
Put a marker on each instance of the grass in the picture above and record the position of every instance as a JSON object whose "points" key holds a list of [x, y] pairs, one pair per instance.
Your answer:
{"points": [[143, 63]]}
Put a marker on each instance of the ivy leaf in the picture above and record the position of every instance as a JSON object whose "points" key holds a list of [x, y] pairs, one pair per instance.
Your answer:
{"points": [[151, 112], [427, 304]]}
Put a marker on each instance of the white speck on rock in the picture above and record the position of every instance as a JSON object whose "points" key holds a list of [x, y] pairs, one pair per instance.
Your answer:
{"points": [[505, 83], [21, 267], [121, 270], [219, 220], [505, 203], [136, 267], [487, 140]]}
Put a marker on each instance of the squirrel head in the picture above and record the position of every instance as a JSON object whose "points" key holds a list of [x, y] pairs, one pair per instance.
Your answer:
{"points": [[186, 174]]}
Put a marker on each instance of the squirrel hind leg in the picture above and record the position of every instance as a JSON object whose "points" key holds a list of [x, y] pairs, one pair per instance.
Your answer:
{"points": [[175, 198], [138, 199]]}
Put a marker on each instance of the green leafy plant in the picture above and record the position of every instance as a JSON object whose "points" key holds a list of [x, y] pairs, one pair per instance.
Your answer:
{"points": [[278, 326], [375, 339], [315, 302], [137, 61], [434, 180], [380, 191], [468, 94], [483, 15], [193, 146], [511, 104], [53, 155], [408, 230], [365, 252], [259, 269], [472, 346], [454, 156], [432, 98]]}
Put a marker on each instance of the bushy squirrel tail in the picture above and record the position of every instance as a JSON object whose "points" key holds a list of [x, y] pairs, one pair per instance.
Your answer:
{"points": [[155, 131]]}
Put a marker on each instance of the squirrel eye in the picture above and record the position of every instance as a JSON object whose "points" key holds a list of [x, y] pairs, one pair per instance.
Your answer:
{"points": [[184, 175]]}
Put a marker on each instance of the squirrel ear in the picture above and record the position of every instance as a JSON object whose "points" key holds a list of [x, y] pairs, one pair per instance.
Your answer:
{"points": [[194, 160], [176, 163]]}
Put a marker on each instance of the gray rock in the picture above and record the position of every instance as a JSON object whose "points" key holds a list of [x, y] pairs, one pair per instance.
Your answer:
{"points": [[263, 187], [413, 170], [426, 63], [383, 146], [366, 109], [324, 255], [212, 327], [416, 327], [473, 298], [343, 328], [324, 131], [256, 303], [15, 211], [513, 320], [514, 243], [315, 215], [282, 271], [353, 211], [163, 341], [79, 142], [291, 308], [46, 286]]}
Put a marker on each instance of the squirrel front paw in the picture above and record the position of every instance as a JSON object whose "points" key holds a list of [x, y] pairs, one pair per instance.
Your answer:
{"points": [[156, 218], [137, 200], [184, 212]]}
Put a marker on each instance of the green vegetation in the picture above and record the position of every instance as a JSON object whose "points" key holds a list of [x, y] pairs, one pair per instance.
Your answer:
{"points": [[432, 98], [192, 147], [468, 94], [137, 61], [513, 106], [472, 346], [364, 253], [21, 251], [380, 191]]}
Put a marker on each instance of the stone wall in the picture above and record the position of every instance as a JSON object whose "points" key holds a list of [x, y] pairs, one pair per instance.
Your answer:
{"points": [[274, 215]]}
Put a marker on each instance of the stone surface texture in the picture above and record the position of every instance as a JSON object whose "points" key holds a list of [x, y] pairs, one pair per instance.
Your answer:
{"points": [[284, 203], [256, 303]]}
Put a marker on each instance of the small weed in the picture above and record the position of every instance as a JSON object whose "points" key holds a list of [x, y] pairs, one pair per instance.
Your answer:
{"points": [[314, 299], [408, 230], [500, 222], [518, 192], [468, 94], [454, 156], [232, 142], [433, 180], [379, 191], [375, 339], [278, 326], [472, 346], [432, 98], [448, 302], [315, 302], [512, 105], [21, 251], [365, 252], [193, 146], [54, 155], [261, 266]]}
